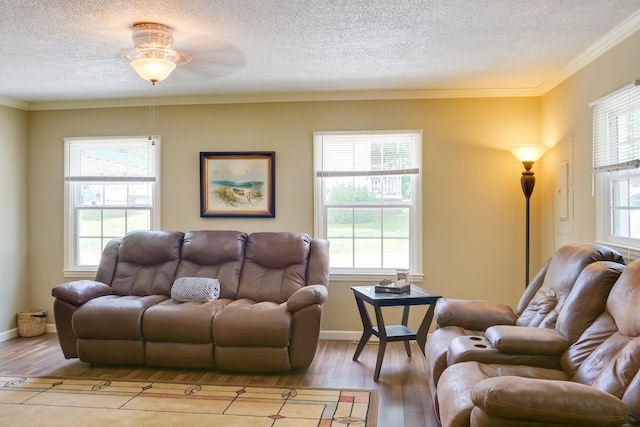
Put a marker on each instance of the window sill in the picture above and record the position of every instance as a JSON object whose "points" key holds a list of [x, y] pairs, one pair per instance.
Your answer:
{"points": [[79, 274], [628, 253], [369, 277]]}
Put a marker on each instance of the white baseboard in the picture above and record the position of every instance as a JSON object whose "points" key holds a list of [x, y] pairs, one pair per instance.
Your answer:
{"points": [[324, 335], [12, 333], [343, 336], [7, 335]]}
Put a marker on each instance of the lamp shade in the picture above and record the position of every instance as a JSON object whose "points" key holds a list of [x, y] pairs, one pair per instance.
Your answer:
{"points": [[153, 69], [528, 152]]}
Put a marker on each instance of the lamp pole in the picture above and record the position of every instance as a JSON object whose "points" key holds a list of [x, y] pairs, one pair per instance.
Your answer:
{"points": [[527, 154], [528, 181]]}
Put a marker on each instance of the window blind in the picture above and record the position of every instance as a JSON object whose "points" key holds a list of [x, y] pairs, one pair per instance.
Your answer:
{"points": [[616, 130], [368, 154], [106, 159]]}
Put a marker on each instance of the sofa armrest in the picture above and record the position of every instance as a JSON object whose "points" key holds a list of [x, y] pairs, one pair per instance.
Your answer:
{"points": [[526, 340], [475, 315], [548, 401], [309, 295], [80, 291]]}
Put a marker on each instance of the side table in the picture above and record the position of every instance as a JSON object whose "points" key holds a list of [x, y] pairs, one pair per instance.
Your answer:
{"points": [[416, 296]]}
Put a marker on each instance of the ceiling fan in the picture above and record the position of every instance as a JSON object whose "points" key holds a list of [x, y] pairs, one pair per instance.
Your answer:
{"points": [[154, 57]]}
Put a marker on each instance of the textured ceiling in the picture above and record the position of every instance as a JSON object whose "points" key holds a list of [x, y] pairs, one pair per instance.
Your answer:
{"points": [[61, 50]]}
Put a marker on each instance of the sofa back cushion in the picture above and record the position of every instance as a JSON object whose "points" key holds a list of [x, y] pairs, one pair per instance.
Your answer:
{"points": [[215, 254], [275, 266], [540, 307], [588, 298], [147, 263], [607, 354]]}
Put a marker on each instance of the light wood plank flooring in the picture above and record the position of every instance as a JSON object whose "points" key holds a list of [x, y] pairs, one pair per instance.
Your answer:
{"points": [[404, 398]]}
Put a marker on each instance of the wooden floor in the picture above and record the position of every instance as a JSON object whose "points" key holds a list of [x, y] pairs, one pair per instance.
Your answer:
{"points": [[404, 398]]}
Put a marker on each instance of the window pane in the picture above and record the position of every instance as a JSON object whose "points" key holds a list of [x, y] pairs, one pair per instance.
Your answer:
{"points": [[341, 253], [348, 190], [634, 191], [89, 251], [140, 194], [620, 193], [91, 194], [114, 222], [634, 224], [90, 223], [396, 222], [367, 222], [339, 222], [620, 222], [368, 253], [115, 194], [396, 253], [138, 220]]}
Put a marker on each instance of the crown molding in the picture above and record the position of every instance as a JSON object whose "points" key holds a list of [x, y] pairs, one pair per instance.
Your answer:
{"points": [[14, 103], [284, 97], [626, 28]]}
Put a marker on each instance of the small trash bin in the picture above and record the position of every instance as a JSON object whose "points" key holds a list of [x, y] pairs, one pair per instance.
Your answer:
{"points": [[32, 323]]}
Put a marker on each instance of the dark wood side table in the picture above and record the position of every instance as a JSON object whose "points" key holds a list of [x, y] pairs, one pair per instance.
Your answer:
{"points": [[417, 296]]}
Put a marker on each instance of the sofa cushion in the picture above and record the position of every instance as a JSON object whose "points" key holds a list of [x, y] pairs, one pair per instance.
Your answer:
{"points": [[275, 266], [526, 340], [188, 322], [112, 317], [546, 401], [214, 253], [147, 263], [245, 323], [201, 289], [457, 381]]}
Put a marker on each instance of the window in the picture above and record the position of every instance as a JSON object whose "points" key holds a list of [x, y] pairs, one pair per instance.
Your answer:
{"points": [[616, 159], [111, 188], [367, 192]]}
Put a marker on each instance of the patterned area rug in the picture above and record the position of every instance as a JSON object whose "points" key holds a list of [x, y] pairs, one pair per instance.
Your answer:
{"points": [[79, 402]]}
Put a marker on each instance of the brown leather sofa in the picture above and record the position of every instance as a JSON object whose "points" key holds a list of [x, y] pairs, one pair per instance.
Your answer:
{"points": [[272, 287], [597, 384], [491, 332]]}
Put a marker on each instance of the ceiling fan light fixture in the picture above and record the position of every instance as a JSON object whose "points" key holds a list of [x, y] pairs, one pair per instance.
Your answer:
{"points": [[154, 57], [153, 69]]}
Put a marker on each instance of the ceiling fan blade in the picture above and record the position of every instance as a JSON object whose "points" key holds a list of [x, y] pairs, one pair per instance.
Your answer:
{"points": [[210, 62]]}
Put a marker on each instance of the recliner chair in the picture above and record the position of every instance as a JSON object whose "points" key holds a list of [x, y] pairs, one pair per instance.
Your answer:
{"points": [[598, 383], [462, 325]]}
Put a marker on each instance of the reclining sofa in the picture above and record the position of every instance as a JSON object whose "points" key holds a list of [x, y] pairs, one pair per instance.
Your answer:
{"points": [[597, 383], [203, 299], [571, 288]]}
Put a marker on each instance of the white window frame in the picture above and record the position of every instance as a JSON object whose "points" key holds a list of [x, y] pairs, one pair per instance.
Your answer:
{"points": [[616, 156], [72, 268], [415, 208]]}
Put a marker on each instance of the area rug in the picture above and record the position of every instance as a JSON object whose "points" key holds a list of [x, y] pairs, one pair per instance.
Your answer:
{"points": [[55, 402]]}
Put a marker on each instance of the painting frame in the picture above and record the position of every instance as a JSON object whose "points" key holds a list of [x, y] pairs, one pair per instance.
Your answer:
{"points": [[237, 184]]}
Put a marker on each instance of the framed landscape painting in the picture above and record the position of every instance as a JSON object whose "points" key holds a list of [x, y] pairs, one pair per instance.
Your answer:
{"points": [[237, 184]]}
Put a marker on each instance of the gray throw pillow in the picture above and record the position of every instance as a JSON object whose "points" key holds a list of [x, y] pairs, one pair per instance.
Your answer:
{"points": [[201, 289]]}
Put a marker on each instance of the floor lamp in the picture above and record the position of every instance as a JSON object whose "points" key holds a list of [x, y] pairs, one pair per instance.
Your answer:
{"points": [[527, 154]]}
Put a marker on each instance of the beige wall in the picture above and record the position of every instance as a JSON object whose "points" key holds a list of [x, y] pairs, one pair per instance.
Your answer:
{"points": [[14, 286], [567, 125], [473, 229]]}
